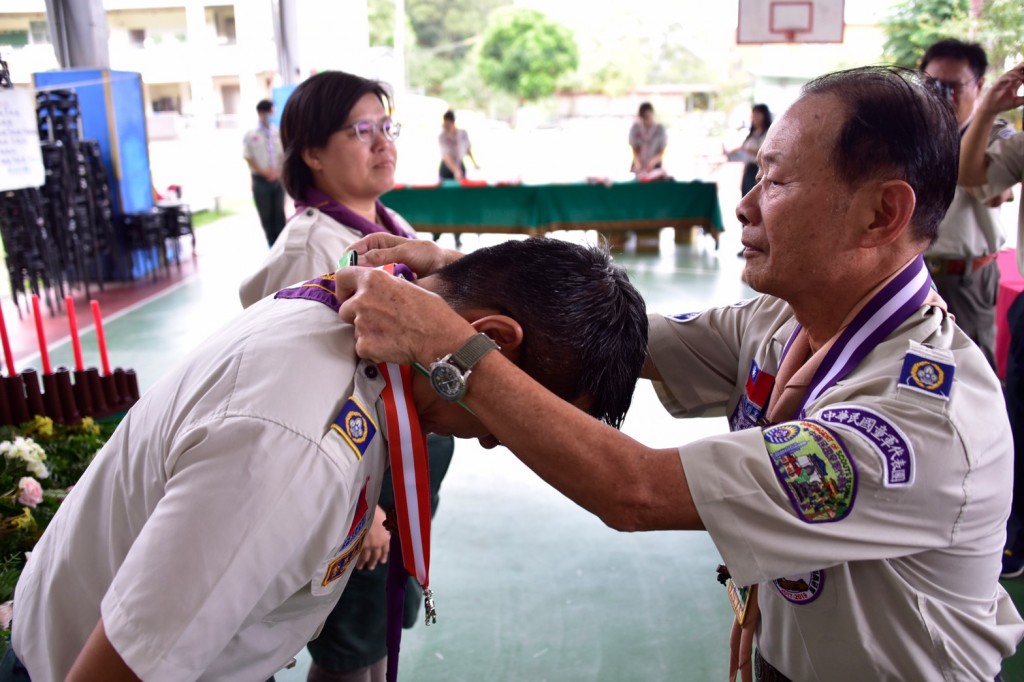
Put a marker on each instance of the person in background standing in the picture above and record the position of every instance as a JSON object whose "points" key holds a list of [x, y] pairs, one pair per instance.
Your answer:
{"points": [[264, 154], [989, 169], [648, 139], [455, 147], [962, 259], [760, 121]]}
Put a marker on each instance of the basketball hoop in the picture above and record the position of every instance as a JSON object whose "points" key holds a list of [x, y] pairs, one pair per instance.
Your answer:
{"points": [[790, 21]]}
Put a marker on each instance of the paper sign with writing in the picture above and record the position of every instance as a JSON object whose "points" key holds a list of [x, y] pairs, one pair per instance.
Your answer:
{"points": [[21, 160]]}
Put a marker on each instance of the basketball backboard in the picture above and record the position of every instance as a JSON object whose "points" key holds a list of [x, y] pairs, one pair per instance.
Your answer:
{"points": [[790, 21]]}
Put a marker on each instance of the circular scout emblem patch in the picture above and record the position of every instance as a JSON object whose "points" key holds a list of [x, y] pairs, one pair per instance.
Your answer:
{"points": [[927, 375], [814, 468], [801, 589], [355, 426]]}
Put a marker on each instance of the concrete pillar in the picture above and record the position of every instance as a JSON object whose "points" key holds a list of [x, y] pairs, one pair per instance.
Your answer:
{"points": [[199, 41], [78, 31]]}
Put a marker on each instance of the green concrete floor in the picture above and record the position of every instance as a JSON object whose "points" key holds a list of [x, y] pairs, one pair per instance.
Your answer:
{"points": [[528, 586]]}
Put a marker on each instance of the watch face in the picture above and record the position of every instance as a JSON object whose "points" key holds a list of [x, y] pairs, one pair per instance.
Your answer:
{"points": [[447, 380]]}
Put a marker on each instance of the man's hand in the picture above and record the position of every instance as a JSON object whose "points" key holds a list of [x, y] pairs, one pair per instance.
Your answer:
{"points": [[376, 545], [1003, 93], [741, 641], [395, 320], [271, 174], [423, 257]]}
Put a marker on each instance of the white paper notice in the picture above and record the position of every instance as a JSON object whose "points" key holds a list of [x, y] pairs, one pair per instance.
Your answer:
{"points": [[21, 160]]}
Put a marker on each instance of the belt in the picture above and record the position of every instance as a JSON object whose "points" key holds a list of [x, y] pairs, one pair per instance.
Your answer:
{"points": [[950, 266]]}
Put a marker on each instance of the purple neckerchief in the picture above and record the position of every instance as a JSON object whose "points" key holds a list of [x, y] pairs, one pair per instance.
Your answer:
{"points": [[397, 582], [321, 289], [886, 311], [335, 209]]}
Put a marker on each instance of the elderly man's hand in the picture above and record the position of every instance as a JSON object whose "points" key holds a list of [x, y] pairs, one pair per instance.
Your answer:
{"points": [[422, 256], [1003, 93], [395, 320]]}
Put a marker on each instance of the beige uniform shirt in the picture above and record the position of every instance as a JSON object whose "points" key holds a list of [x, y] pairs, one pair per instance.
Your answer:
{"points": [[217, 528], [310, 246], [970, 229], [1006, 169], [874, 524], [263, 147]]}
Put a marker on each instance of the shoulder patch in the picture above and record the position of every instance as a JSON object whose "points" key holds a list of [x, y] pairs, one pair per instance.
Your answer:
{"points": [[355, 425], [684, 317], [927, 376], [814, 468], [885, 438]]}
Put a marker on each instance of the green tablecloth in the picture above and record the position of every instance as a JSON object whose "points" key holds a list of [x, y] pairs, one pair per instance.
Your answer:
{"points": [[535, 209]]}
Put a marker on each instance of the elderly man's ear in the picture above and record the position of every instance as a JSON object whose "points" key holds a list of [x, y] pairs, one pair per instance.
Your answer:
{"points": [[886, 209], [505, 331]]}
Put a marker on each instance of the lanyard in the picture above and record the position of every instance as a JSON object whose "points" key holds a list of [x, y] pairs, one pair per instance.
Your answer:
{"points": [[410, 473]]}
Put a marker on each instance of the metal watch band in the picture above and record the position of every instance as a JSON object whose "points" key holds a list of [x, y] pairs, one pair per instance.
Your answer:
{"points": [[471, 352]]}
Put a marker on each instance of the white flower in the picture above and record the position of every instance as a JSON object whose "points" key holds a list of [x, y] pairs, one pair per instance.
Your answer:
{"points": [[28, 451]]}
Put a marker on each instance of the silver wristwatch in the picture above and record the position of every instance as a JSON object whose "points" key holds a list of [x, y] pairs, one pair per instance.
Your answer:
{"points": [[449, 374]]}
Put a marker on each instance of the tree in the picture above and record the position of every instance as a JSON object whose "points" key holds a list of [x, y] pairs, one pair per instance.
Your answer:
{"points": [[525, 54], [915, 24], [997, 28]]}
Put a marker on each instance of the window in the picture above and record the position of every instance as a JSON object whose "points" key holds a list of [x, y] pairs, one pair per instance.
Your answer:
{"points": [[137, 37], [40, 32], [223, 19]]}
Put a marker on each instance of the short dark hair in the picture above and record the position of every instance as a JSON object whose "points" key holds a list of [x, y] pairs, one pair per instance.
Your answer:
{"points": [[449, 116], [897, 126], [951, 48], [264, 106], [584, 325], [644, 108], [764, 111], [318, 108]]}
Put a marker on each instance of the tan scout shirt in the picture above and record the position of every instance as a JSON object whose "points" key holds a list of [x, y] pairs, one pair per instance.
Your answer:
{"points": [[214, 532], [310, 246], [900, 582]]}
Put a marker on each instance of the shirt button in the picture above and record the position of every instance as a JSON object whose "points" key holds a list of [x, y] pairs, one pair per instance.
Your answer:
{"points": [[371, 372], [309, 211]]}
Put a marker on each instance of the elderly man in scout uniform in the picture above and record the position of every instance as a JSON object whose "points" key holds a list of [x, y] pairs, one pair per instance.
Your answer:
{"points": [[216, 530], [864, 487]]}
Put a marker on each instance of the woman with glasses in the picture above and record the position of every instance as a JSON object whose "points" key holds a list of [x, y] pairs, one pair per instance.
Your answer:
{"points": [[339, 158]]}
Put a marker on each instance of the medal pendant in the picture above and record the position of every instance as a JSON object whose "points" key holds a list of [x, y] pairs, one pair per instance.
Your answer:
{"points": [[428, 606]]}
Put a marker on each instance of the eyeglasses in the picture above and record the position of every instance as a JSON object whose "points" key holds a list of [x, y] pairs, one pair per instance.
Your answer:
{"points": [[367, 130], [947, 89]]}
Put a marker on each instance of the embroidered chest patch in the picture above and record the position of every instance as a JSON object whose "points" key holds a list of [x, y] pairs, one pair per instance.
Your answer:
{"points": [[751, 406], [354, 424], [803, 588], [814, 469], [927, 376], [353, 542], [884, 437]]}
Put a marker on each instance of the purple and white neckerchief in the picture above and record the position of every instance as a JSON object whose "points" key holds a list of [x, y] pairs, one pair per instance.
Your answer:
{"points": [[346, 216], [886, 311]]}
